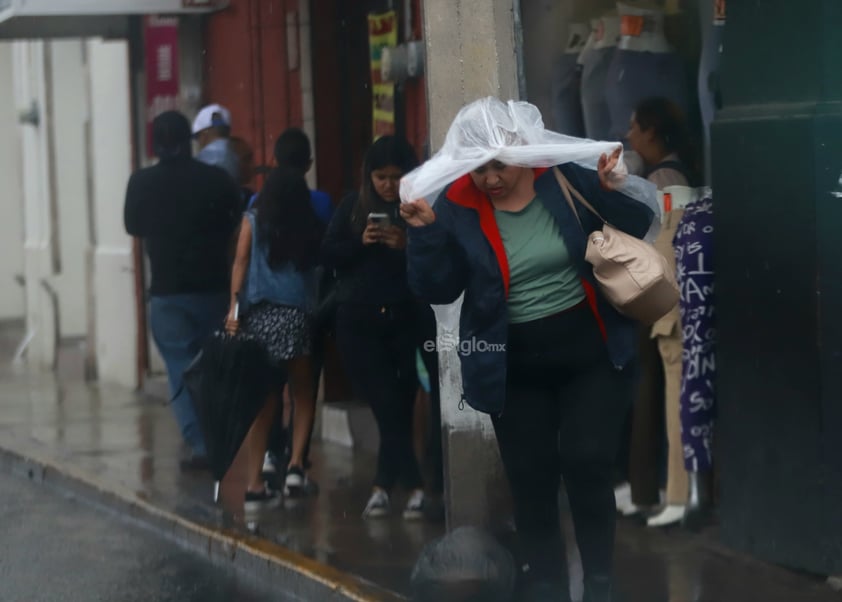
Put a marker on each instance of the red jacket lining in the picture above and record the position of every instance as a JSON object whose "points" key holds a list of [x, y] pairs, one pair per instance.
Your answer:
{"points": [[464, 192]]}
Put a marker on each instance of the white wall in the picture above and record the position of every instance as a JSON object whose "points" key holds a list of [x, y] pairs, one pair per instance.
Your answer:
{"points": [[113, 265], [11, 193], [70, 111]]}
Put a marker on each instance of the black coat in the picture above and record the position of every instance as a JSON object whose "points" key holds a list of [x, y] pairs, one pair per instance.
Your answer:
{"points": [[186, 212]]}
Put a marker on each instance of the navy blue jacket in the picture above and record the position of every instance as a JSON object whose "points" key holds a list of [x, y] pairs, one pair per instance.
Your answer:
{"points": [[462, 251]]}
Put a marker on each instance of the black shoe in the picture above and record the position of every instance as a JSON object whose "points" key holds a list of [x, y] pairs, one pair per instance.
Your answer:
{"points": [[194, 463], [261, 500]]}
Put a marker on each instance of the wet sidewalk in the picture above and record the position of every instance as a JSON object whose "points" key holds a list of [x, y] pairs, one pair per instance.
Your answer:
{"points": [[129, 442], [127, 445]]}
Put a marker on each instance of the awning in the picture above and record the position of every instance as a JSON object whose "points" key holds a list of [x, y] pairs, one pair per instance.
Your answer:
{"points": [[36, 19]]}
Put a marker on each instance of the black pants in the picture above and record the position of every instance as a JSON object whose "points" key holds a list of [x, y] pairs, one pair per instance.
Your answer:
{"points": [[378, 347], [565, 407]]}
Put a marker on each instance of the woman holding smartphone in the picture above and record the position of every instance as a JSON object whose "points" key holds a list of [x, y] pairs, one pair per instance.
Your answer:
{"points": [[376, 316]]}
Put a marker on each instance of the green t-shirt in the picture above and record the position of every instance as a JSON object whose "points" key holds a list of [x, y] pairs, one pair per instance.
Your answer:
{"points": [[543, 278]]}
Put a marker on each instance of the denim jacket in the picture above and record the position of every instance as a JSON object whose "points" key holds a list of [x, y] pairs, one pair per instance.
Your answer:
{"points": [[285, 286]]}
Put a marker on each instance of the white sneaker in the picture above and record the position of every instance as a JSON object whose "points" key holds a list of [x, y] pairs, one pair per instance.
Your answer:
{"points": [[378, 505], [670, 515], [269, 465], [296, 481], [623, 498], [415, 506]]}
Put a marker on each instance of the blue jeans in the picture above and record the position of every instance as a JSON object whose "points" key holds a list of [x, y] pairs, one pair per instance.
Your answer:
{"points": [[180, 325]]}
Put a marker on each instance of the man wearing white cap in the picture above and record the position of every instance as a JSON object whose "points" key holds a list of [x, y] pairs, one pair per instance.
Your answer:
{"points": [[211, 129]]}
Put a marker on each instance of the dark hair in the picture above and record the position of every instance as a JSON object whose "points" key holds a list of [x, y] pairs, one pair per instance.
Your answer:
{"points": [[292, 149], [386, 151], [670, 126], [286, 222], [171, 135]]}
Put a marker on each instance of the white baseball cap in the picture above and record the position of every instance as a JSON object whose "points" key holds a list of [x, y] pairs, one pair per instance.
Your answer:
{"points": [[211, 116]]}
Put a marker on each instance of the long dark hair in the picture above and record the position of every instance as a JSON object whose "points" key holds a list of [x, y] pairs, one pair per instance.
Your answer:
{"points": [[386, 151], [286, 222], [670, 126]]}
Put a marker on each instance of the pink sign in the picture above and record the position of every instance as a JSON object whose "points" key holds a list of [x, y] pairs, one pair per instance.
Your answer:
{"points": [[161, 42]]}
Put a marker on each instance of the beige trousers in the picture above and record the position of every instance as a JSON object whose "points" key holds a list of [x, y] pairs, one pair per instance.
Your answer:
{"points": [[667, 331]]}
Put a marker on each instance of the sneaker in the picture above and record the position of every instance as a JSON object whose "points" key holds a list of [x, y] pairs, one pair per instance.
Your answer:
{"points": [[269, 465], [260, 500], [415, 506], [378, 505], [296, 481]]}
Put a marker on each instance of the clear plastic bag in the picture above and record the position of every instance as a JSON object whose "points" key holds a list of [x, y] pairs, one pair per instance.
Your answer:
{"points": [[513, 133]]}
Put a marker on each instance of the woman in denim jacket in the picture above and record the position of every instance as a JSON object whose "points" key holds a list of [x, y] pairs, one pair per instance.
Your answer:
{"points": [[274, 275]]}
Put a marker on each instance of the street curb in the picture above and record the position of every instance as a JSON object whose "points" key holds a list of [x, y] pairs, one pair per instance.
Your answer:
{"points": [[268, 565]]}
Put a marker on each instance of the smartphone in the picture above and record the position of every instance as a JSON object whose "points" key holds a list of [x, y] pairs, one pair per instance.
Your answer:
{"points": [[379, 219]]}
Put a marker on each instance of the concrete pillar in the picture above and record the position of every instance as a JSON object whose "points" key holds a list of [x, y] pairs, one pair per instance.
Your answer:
{"points": [[471, 53], [111, 165], [69, 112], [30, 93], [11, 196]]}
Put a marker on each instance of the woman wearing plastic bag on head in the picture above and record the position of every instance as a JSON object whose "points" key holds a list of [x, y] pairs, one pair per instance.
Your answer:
{"points": [[554, 362]]}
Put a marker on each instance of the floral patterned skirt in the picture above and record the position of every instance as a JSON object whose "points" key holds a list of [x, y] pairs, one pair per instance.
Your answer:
{"points": [[283, 330]]}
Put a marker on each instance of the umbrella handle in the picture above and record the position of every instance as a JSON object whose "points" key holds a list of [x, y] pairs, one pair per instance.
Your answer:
{"points": [[237, 310]]}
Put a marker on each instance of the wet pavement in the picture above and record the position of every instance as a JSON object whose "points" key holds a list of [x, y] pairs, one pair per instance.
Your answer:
{"points": [[130, 441], [112, 559]]}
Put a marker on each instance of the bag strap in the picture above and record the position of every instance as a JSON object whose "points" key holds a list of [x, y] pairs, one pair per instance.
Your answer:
{"points": [[568, 189]]}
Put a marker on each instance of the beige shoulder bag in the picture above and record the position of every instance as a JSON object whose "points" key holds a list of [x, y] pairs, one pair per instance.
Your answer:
{"points": [[632, 274]]}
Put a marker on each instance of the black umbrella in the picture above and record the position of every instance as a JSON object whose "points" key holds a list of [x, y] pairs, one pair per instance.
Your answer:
{"points": [[229, 382]]}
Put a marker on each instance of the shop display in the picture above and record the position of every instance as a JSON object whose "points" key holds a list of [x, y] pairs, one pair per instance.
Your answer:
{"points": [[643, 66], [713, 27], [566, 84], [596, 61]]}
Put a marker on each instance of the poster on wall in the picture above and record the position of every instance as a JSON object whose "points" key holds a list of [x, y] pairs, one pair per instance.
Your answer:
{"points": [[160, 35], [382, 33]]}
